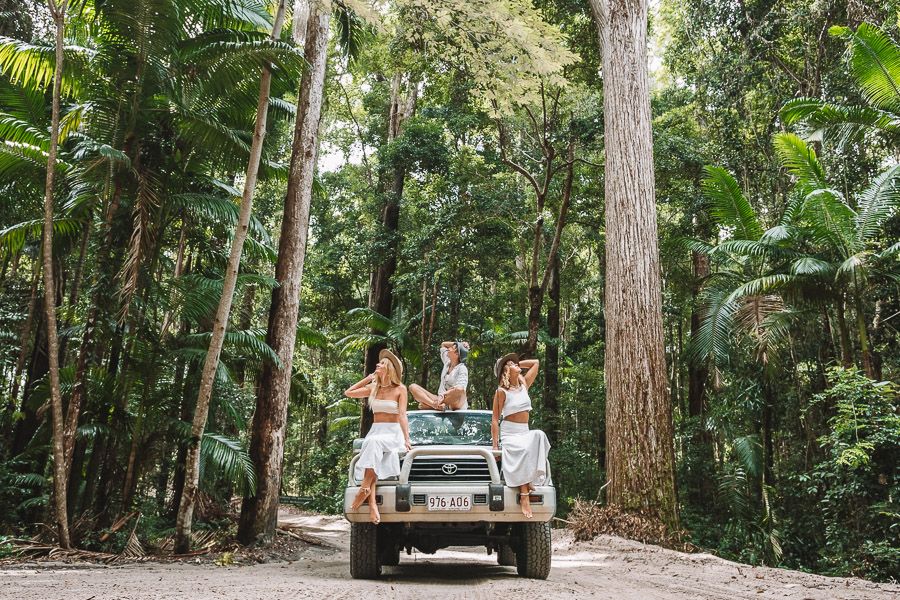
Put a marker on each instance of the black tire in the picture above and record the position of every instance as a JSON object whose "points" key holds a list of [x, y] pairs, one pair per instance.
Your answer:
{"points": [[534, 551], [364, 562], [506, 556]]}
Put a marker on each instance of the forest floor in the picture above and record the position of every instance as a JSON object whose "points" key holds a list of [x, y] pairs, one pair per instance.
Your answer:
{"points": [[607, 567]]}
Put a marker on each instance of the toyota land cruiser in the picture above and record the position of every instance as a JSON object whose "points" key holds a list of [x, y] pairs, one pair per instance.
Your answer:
{"points": [[450, 492]]}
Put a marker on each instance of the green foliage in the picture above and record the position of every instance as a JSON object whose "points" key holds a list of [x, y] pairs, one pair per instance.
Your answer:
{"points": [[857, 482]]}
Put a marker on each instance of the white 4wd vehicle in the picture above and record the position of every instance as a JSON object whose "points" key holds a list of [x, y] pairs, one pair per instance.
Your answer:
{"points": [[450, 492]]}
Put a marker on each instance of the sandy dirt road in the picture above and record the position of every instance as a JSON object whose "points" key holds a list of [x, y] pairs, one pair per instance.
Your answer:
{"points": [[605, 568]]}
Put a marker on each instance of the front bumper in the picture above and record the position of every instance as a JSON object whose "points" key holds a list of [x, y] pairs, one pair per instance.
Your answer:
{"points": [[402, 501], [418, 513]]}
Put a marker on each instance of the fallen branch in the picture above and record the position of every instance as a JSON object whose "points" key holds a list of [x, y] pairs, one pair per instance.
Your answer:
{"points": [[303, 538], [118, 525]]}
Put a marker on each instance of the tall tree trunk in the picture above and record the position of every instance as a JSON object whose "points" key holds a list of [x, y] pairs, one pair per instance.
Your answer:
{"points": [[539, 284], [862, 331], [427, 330], [58, 11], [217, 340], [381, 289], [701, 489], [551, 371], [640, 454], [259, 513], [844, 335]]}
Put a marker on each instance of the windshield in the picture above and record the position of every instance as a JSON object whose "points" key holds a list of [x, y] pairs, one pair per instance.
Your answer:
{"points": [[452, 428]]}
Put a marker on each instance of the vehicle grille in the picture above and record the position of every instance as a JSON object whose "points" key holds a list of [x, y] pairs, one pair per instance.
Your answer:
{"points": [[463, 469]]}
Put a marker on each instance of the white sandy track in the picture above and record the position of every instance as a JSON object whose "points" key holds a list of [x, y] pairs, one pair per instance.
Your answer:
{"points": [[605, 568]]}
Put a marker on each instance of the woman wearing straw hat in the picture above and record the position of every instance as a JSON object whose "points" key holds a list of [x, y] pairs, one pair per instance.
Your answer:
{"points": [[379, 457], [524, 455]]}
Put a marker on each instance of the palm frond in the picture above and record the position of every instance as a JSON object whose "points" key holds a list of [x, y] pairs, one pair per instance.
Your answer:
{"points": [[811, 266], [311, 337], [359, 341], [228, 458], [249, 343], [875, 62], [218, 209], [877, 203], [748, 452], [32, 65], [16, 157], [801, 161], [845, 124], [729, 206], [371, 318], [13, 238], [714, 338]]}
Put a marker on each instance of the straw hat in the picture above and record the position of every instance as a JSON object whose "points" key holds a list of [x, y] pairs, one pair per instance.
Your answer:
{"points": [[398, 366], [501, 362]]}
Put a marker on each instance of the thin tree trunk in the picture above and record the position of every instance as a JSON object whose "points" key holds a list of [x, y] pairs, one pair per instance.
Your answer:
{"points": [[58, 11], [381, 289], [259, 513], [640, 454], [551, 371], [429, 330], [217, 340], [539, 286], [863, 333], [701, 488], [844, 335], [25, 336]]}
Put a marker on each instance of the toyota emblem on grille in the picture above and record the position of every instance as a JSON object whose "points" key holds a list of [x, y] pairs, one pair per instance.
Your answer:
{"points": [[449, 469]]}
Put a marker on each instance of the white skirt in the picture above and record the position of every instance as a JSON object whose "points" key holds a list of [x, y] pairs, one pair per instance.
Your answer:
{"points": [[524, 454], [380, 451]]}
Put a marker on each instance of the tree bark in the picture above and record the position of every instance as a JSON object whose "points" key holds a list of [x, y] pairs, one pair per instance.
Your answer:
{"points": [[25, 336], [58, 11], [844, 335], [259, 513], [217, 340], [551, 371], [639, 431], [701, 488]]}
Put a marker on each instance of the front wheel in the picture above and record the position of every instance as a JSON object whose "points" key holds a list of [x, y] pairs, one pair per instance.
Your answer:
{"points": [[534, 551], [364, 562]]}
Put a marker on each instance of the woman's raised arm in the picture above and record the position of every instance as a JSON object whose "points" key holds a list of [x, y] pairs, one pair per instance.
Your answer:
{"points": [[532, 365], [360, 389]]}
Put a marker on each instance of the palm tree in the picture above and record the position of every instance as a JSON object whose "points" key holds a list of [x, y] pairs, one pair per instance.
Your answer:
{"points": [[156, 109], [845, 254], [875, 64]]}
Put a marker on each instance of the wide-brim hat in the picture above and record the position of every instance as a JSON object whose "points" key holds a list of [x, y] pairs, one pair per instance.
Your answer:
{"points": [[498, 366], [398, 366]]}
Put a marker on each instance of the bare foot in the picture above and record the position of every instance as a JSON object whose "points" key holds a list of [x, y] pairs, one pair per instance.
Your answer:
{"points": [[360, 498], [374, 515], [525, 502]]}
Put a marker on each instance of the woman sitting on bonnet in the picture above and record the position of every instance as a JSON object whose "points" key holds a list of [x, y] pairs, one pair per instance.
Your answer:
{"points": [[524, 455], [380, 454]]}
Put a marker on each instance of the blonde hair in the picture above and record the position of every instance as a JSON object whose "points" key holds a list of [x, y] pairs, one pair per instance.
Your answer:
{"points": [[504, 377], [392, 377]]}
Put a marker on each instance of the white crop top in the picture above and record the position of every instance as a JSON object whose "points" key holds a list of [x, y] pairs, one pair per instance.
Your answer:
{"points": [[517, 400], [380, 405]]}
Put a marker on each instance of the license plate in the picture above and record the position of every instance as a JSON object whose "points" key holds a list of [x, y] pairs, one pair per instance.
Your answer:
{"points": [[450, 502]]}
